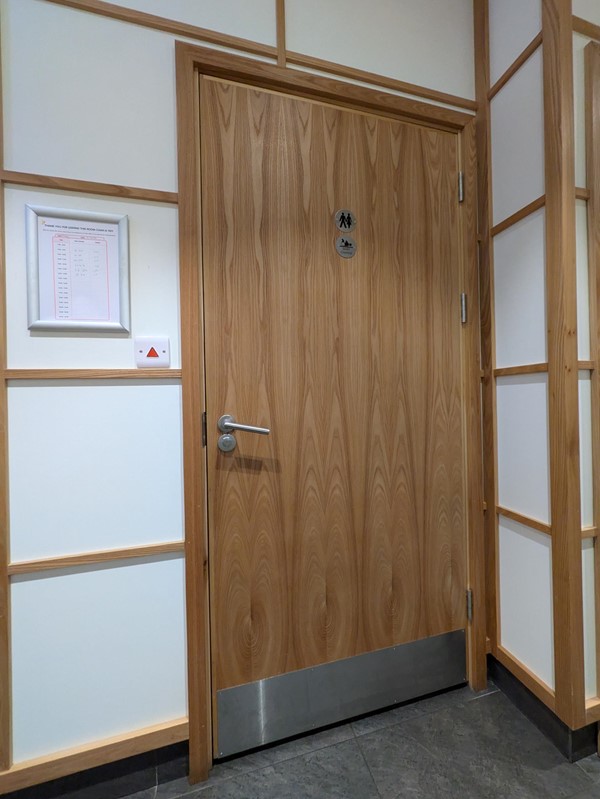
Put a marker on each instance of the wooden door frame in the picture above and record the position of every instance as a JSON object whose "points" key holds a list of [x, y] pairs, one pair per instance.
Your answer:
{"points": [[191, 62]]}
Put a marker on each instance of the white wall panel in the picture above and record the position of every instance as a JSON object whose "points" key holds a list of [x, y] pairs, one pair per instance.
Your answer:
{"points": [[429, 43], [583, 288], [522, 424], [585, 449], [154, 276], [255, 20], [513, 25], [517, 128], [93, 466], [579, 45], [96, 652], [520, 292], [87, 97], [525, 574], [588, 9], [589, 618]]}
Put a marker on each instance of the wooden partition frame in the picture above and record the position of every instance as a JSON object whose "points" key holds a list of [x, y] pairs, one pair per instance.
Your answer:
{"points": [[192, 61]]}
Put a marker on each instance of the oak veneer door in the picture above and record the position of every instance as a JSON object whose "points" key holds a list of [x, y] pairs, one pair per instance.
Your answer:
{"points": [[343, 531]]}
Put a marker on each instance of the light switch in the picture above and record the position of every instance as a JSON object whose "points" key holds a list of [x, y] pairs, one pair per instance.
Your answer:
{"points": [[152, 352]]}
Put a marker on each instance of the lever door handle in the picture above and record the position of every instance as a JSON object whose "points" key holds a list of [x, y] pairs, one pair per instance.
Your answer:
{"points": [[227, 424]]}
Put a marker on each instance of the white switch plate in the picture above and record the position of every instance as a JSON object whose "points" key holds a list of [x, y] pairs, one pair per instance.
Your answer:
{"points": [[152, 352]]}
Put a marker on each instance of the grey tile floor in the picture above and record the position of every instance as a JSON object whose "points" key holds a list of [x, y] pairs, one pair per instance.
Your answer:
{"points": [[457, 744]]}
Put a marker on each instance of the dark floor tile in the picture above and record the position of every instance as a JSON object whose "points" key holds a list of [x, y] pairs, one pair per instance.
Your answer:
{"points": [[483, 748], [334, 772], [591, 766]]}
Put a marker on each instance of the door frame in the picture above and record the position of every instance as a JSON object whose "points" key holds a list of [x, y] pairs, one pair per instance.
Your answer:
{"points": [[191, 62]]}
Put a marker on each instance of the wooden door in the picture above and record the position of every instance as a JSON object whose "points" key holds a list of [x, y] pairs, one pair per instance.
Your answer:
{"points": [[344, 530]]}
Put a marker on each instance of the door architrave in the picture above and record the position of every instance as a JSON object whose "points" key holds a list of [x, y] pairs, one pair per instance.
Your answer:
{"points": [[191, 62]]}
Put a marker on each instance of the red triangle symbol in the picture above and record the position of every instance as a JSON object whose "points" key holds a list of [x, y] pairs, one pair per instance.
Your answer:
{"points": [[152, 353]]}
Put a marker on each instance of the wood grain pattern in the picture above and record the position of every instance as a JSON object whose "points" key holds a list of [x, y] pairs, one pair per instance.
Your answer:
{"points": [[524, 369], [100, 556], [542, 527], [88, 187], [280, 24], [581, 193], [589, 532], [192, 389], [515, 66], [592, 124], [471, 360], [344, 531], [586, 28], [70, 761], [339, 93], [488, 346], [154, 22], [392, 84], [563, 389], [92, 374], [518, 215]]}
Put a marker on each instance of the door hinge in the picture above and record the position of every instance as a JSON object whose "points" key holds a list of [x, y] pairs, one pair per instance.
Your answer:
{"points": [[461, 187], [204, 428], [469, 605], [463, 308]]}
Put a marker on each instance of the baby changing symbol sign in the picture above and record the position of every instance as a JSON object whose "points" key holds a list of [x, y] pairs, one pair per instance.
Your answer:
{"points": [[345, 246], [345, 220]]}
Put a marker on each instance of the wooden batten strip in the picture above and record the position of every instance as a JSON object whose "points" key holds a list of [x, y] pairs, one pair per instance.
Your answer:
{"points": [[527, 521], [530, 680], [158, 23], [280, 24], [526, 369], [581, 193], [563, 388], [488, 390], [592, 711], [519, 215], [92, 374], [351, 73], [88, 187], [516, 65], [70, 761], [586, 366], [589, 532], [87, 558], [586, 28], [592, 124]]}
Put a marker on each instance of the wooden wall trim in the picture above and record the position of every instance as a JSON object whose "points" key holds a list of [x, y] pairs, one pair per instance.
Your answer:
{"points": [[563, 389], [581, 193], [323, 89], [488, 347], [70, 761], [592, 123], [166, 25], [392, 84], [193, 391], [88, 558], [586, 28], [530, 680], [527, 521], [526, 369], [522, 213], [280, 24], [515, 66], [92, 374], [88, 187], [471, 365]]}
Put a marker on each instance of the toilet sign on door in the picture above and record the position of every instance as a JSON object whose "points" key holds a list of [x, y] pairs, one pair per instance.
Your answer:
{"points": [[345, 246], [345, 220]]}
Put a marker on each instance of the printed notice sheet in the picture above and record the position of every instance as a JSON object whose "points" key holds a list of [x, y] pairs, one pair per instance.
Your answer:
{"points": [[78, 262]]}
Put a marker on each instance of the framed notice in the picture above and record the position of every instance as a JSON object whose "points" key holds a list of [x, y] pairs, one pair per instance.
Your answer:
{"points": [[77, 270]]}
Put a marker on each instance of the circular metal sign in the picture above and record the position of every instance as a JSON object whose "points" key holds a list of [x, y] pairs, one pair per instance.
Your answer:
{"points": [[345, 220], [345, 246]]}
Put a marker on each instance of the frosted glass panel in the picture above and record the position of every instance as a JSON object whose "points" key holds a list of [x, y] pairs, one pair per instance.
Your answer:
{"points": [[87, 97], [96, 652], [579, 43], [588, 9], [583, 290], [523, 474], [513, 25], [154, 278], [93, 466], [255, 20], [426, 42], [589, 618], [517, 122], [585, 449], [526, 616], [520, 292]]}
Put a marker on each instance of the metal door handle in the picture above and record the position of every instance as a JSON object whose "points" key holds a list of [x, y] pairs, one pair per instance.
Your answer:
{"points": [[227, 424]]}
